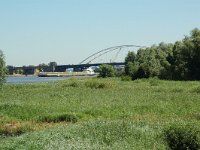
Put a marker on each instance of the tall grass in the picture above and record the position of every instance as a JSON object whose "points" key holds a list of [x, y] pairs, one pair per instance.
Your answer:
{"points": [[111, 114]]}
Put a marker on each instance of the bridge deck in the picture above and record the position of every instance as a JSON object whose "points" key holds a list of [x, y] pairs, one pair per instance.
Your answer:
{"points": [[62, 68]]}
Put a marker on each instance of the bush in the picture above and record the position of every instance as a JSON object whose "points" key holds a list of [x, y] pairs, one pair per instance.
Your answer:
{"points": [[182, 138], [106, 71], [59, 118], [2, 68]]}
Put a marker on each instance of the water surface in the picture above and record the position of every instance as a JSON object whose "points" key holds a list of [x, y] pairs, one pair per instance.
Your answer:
{"points": [[33, 79]]}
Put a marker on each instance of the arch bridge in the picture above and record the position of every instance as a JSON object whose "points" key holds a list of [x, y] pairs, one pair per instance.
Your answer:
{"points": [[89, 61]]}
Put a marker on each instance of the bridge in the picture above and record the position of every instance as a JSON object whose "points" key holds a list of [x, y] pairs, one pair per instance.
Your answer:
{"points": [[87, 62], [80, 67]]}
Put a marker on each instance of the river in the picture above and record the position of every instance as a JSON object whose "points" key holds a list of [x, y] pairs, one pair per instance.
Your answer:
{"points": [[34, 79]]}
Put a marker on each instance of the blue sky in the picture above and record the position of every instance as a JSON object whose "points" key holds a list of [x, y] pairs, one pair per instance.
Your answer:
{"points": [[67, 31]]}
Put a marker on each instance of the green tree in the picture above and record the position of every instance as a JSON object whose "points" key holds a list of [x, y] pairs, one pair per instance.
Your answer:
{"points": [[130, 57], [185, 64], [2, 68], [131, 68], [130, 63], [142, 72], [42, 66], [106, 71], [179, 61], [52, 65], [177, 68], [191, 55], [148, 62], [151, 62], [164, 55]]}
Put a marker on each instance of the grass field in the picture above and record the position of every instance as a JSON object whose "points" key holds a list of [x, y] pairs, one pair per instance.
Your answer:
{"points": [[96, 113]]}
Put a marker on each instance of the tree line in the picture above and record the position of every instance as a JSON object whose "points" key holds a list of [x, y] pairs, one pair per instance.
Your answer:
{"points": [[174, 61]]}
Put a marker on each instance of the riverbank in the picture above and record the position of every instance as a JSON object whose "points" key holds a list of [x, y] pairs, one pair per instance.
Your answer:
{"points": [[95, 113]]}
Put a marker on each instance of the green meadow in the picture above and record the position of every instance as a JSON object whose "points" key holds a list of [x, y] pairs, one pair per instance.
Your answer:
{"points": [[96, 113]]}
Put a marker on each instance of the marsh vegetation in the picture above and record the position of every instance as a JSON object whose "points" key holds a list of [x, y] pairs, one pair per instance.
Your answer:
{"points": [[99, 114]]}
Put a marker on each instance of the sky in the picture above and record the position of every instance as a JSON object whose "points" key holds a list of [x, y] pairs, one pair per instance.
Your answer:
{"points": [[67, 31]]}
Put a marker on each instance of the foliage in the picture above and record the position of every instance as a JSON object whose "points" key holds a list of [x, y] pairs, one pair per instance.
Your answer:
{"points": [[186, 53], [2, 68], [178, 61], [52, 64], [42, 66], [182, 138], [106, 71], [119, 73], [130, 57], [129, 63], [131, 68], [50, 67]]}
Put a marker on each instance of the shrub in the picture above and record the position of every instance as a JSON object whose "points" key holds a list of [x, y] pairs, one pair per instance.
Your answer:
{"points": [[59, 118], [2, 68], [182, 138], [106, 71]]}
